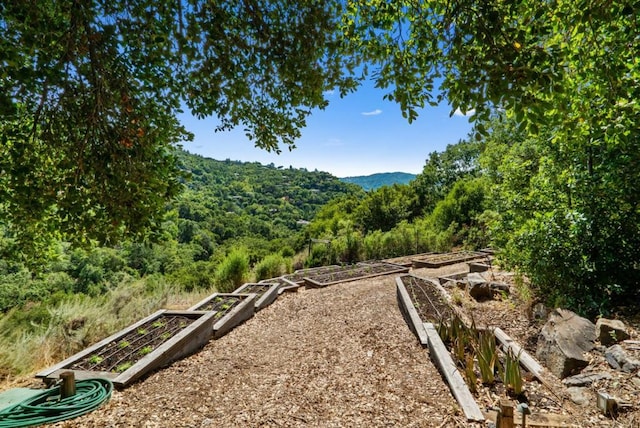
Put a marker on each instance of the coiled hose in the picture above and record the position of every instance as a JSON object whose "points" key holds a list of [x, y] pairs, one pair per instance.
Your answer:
{"points": [[47, 407]]}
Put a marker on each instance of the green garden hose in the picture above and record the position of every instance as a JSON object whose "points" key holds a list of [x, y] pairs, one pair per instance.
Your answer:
{"points": [[48, 407]]}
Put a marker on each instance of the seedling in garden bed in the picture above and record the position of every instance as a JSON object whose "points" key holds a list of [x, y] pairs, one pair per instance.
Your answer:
{"points": [[146, 350], [165, 336], [124, 367], [123, 344], [158, 324], [96, 359], [142, 331]]}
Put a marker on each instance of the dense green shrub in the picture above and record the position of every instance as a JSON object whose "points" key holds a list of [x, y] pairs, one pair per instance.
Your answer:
{"points": [[271, 266], [233, 270]]}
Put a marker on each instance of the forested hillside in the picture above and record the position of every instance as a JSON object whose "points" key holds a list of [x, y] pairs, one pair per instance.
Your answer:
{"points": [[375, 181], [231, 199]]}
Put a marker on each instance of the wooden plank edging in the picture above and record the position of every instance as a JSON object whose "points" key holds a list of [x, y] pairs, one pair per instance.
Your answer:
{"points": [[441, 357], [526, 360], [409, 311]]}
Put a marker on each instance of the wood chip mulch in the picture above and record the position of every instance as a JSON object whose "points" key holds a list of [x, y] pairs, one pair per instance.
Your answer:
{"points": [[340, 356]]}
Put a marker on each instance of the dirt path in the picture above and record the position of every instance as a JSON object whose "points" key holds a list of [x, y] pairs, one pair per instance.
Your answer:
{"points": [[340, 356]]}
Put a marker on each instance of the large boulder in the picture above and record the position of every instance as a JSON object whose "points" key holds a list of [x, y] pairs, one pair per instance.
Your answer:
{"points": [[610, 332], [563, 342], [478, 287]]}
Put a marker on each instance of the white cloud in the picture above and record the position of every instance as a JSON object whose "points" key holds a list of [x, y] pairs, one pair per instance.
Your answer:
{"points": [[458, 112], [329, 92], [372, 113]]}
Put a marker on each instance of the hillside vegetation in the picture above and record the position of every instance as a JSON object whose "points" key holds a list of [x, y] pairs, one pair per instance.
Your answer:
{"points": [[232, 222], [375, 181]]}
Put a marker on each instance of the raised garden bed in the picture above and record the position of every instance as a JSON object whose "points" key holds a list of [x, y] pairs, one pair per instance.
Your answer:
{"points": [[445, 259], [433, 305], [406, 261], [353, 273], [266, 293], [229, 309], [151, 343], [299, 275], [487, 361]]}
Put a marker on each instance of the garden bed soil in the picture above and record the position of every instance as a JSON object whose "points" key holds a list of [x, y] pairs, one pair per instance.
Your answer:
{"points": [[299, 275], [152, 342], [266, 293], [445, 259], [230, 310], [406, 261], [353, 273], [429, 300]]}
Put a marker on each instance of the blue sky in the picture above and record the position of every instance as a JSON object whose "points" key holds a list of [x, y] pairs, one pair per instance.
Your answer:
{"points": [[360, 134]]}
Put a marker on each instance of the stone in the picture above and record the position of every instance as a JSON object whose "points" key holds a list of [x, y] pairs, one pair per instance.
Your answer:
{"points": [[579, 395], [619, 360], [563, 342], [499, 287], [539, 312], [478, 267], [478, 287], [610, 332], [585, 379]]}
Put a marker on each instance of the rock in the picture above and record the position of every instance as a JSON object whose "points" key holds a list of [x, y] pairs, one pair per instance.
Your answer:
{"points": [[474, 278], [585, 379], [619, 360], [610, 332], [563, 341], [636, 382], [500, 287], [539, 312], [579, 395], [478, 287], [478, 267]]}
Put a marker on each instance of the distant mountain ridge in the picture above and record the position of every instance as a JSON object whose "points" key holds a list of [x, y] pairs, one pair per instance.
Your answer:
{"points": [[374, 181]]}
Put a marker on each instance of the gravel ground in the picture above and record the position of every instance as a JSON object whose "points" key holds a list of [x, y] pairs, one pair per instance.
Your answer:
{"points": [[340, 356]]}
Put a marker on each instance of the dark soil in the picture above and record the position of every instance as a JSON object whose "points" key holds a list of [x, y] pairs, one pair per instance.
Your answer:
{"points": [[119, 355], [438, 260], [353, 272], [221, 305], [427, 299], [258, 289], [299, 275]]}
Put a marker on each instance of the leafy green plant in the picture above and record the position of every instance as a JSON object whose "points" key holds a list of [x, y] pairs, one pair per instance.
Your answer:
{"points": [[124, 366], [145, 350], [158, 324], [95, 359], [123, 344], [511, 375], [142, 331], [165, 336], [487, 356], [470, 374]]}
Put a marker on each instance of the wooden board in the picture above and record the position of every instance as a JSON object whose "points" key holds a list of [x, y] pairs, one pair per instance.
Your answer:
{"points": [[442, 359], [409, 312]]}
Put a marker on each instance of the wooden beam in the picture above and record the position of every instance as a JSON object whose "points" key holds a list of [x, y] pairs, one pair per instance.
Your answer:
{"points": [[526, 360], [441, 357]]}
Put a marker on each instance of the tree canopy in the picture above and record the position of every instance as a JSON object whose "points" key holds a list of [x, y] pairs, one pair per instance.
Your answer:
{"points": [[89, 93]]}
